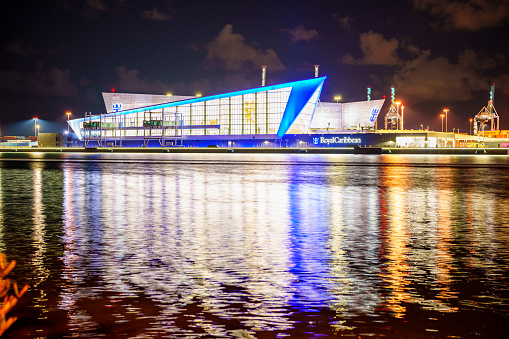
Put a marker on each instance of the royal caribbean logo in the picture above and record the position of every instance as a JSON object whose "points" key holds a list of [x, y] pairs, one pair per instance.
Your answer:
{"points": [[374, 114], [316, 141], [338, 140], [117, 107]]}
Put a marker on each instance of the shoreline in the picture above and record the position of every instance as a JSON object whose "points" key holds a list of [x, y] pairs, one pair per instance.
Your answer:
{"points": [[275, 150]]}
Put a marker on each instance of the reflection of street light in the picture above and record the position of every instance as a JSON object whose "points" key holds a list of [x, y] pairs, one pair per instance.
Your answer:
{"points": [[446, 110], [68, 114], [442, 116], [471, 125], [337, 98]]}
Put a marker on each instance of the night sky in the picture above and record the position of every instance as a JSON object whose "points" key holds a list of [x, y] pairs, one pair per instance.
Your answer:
{"points": [[60, 55]]}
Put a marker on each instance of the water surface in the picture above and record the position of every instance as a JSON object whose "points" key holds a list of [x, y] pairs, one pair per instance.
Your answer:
{"points": [[263, 246]]}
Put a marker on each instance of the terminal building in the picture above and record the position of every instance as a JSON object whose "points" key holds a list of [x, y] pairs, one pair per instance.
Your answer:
{"points": [[284, 115]]}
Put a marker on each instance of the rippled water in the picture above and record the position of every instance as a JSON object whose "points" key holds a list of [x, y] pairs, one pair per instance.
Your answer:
{"points": [[257, 246]]}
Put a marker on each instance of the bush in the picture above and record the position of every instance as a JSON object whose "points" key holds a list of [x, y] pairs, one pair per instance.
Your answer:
{"points": [[8, 301]]}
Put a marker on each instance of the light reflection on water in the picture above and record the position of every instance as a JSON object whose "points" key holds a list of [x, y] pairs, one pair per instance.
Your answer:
{"points": [[263, 245]]}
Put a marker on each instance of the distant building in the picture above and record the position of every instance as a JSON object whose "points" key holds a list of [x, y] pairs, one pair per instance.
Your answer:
{"points": [[50, 140]]}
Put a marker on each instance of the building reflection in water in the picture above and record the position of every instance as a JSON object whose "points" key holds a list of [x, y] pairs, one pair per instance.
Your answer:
{"points": [[396, 270], [220, 242], [198, 246], [353, 242], [38, 258], [444, 237]]}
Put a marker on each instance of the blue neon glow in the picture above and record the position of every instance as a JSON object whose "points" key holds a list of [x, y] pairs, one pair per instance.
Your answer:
{"points": [[300, 94]]}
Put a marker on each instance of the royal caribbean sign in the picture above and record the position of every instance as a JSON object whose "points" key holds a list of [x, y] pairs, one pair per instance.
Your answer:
{"points": [[117, 107], [374, 114], [336, 140]]}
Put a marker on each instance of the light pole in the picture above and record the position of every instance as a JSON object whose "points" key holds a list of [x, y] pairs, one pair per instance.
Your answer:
{"points": [[471, 125], [397, 111], [402, 115], [446, 110], [68, 114], [442, 116], [337, 98], [35, 126]]}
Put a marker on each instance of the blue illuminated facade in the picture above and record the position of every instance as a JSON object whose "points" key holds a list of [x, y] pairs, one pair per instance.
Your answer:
{"points": [[280, 115]]}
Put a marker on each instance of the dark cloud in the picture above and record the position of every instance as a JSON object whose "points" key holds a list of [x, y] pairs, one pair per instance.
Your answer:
{"points": [[306, 67], [129, 81], [229, 51], [193, 47], [469, 15], [300, 33], [93, 8], [19, 47], [155, 14], [202, 86], [428, 78], [376, 51], [344, 22], [478, 61], [85, 82], [51, 82]]}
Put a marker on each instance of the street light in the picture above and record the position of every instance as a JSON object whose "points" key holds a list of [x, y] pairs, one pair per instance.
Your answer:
{"points": [[442, 116], [68, 114], [397, 109], [471, 125], [337, 98], [446, 110], [402, 115], [37, 127], [422, 127]]}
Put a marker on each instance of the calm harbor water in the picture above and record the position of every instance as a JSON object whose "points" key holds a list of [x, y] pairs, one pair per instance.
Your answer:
{"points": [[257, 246]]}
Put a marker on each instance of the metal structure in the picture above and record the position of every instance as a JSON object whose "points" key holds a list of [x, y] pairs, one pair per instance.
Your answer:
{"points": [[487, 114], [92, 129], [392, 118], [166, 128]]}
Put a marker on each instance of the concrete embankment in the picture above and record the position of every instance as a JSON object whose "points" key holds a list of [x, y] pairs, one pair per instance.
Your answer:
{"points": [[311, 150]]}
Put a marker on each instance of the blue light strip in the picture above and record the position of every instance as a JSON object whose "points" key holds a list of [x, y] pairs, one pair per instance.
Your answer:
{"points": [[299, 96]]}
